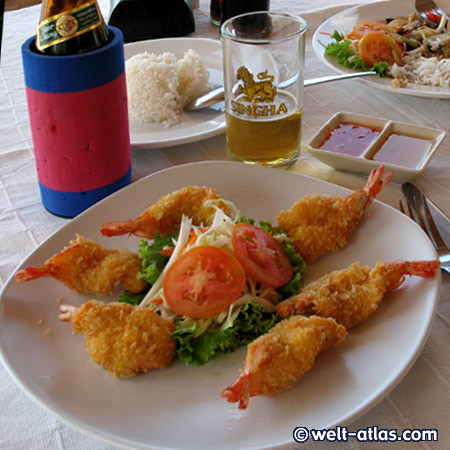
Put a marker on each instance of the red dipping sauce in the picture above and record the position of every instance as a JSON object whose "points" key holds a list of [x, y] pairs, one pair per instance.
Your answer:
{"points": [[350, 139]]}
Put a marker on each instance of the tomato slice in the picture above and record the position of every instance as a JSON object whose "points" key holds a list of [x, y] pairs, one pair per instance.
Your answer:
{"points": [[261, 255], [202, 282], [369, 26], [376, 47]]}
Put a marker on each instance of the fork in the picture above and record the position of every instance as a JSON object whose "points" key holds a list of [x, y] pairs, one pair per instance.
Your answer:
{"points": [[429, 11], [419, 211]]}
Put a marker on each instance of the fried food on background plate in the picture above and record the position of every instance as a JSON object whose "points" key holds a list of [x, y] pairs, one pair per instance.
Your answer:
{"points": [[279, 358], [125, 340], [321, 223], [351, 295], [165, 215], [88, 267]]}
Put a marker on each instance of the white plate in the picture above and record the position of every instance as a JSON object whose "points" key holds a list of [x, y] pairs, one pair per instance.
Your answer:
{"points": [[180, 407], [194, 126], [347, 19]]}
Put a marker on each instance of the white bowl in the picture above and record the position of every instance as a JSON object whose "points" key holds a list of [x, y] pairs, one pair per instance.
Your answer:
{"points": [[363, 163]]}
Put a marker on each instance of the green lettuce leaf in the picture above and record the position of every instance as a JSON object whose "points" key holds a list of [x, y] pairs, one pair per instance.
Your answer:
{"points": [[251, 322], [130, 298], [381, 68], [153, 261], [244, 219], [293, 286]]}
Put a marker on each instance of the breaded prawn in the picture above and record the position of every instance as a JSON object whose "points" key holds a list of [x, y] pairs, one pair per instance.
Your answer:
{"points": [[351, 295], [88, 267], [279, 358], [165, 215], [318, 224], [125, 340]]}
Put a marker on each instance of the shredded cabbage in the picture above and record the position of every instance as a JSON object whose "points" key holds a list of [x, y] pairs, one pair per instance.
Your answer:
{"points": [[185, 229]]}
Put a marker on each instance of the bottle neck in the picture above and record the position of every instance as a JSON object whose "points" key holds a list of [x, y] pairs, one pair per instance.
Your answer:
{"points": [[70, 21]]}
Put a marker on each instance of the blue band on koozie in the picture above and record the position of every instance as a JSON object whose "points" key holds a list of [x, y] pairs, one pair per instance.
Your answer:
{"points": [[70, 204], [73, 73]]}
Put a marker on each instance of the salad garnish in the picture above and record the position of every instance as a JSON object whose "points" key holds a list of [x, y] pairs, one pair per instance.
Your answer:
{"points": [[218, 284], [346, 54]]}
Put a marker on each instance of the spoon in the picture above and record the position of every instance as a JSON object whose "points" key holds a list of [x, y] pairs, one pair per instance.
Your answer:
{"points": [[217, 95]]}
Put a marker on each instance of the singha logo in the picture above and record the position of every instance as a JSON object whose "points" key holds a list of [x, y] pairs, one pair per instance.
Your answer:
{"points": [[256, 91]]}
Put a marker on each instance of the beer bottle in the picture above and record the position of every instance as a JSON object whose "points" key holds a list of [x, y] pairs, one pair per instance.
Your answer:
{"points": [[67, 27], [215, 12]]}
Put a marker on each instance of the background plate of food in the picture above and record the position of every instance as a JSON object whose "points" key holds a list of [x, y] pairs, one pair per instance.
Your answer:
{"points": [[181, 406], [413, 66], [166, 75]]}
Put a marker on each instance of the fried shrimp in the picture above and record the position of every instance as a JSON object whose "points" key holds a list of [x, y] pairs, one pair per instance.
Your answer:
{"points": [[88, 267], [351, 295], [279, 358], [125, 340], [165, 215], [318, 224]]}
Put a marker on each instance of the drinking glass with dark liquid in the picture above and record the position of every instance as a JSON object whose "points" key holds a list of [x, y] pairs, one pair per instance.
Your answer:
{"points": [[215, 11], [222, 10]]}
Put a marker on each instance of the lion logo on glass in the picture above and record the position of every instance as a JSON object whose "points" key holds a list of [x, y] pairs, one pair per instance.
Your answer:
{"points": [[254, 92]]}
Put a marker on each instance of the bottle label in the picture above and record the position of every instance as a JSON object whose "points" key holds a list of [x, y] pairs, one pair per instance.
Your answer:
{"points": [[64, 26]]}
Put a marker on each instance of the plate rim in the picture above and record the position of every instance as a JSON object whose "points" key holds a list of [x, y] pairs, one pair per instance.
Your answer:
{"points": [[371, 80], [105, 437]]}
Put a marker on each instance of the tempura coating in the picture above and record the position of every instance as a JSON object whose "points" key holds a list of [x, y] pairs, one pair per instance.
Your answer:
{"points": [[88, 267], [125, 340], [165, 215], [351, 295], [279, 358], [321, 223]]}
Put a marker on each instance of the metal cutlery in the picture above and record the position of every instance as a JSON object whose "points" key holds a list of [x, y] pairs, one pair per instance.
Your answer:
{"points": [[418, 210], [217, 94], [428, 10]]}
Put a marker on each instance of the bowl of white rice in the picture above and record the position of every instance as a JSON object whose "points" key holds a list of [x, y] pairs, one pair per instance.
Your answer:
{"points": [[160, 85]]}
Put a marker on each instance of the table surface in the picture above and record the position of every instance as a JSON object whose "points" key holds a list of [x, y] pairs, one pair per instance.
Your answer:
{"points": [[421, 400]]}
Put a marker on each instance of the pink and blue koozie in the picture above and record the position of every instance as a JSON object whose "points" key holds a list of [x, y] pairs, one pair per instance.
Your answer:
{"points": [[78, 113]]}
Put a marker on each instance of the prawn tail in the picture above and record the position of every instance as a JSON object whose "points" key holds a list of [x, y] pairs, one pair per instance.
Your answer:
{"points": [[118, 228], [239, 391], [31, 273], [396, 271], [424, 269], [66, 313], [375, 183], [141, 226]]}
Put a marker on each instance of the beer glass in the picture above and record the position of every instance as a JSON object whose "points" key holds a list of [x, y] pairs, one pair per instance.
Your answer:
{"points": [[264, 55]]}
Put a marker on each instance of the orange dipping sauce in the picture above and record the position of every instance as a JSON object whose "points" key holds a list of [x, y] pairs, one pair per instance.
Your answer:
{"points": [[403, 151], [350, 139]]}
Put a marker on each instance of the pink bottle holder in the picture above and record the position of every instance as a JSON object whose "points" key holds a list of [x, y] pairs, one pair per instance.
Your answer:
{"points": [[78, 114]]}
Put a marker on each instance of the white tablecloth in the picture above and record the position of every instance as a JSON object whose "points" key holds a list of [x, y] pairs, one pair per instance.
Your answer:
{"points": [[421, 400]]}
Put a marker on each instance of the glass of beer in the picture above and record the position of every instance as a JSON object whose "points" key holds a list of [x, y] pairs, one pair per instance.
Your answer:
{"points": [[264, 54]]}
